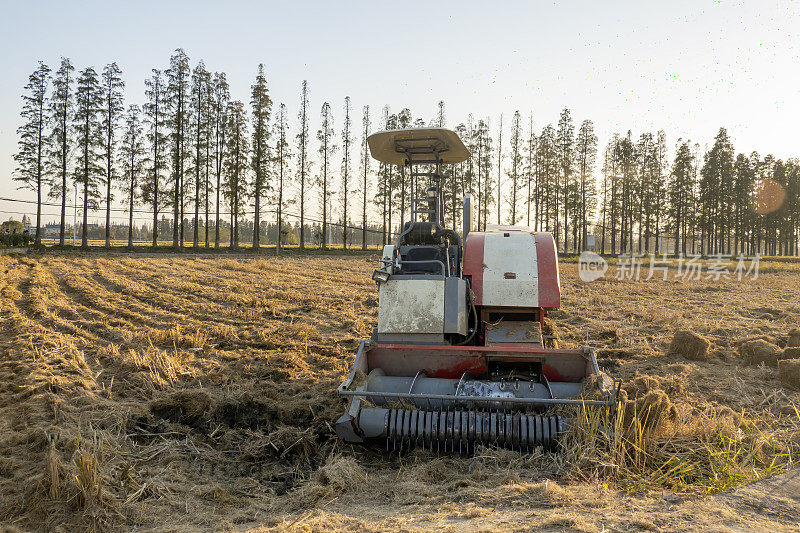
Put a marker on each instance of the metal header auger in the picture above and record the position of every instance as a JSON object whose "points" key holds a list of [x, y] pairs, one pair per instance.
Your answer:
{"points": [[459, 357]]}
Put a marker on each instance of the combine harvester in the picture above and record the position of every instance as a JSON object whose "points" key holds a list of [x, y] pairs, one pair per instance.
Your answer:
{"points": [[459, 358]]}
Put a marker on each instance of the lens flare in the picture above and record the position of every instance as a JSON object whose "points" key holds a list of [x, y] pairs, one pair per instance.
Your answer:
{"points": [[768, 197]]}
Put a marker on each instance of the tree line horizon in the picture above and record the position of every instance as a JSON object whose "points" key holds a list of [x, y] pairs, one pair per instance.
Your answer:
{"points": [[194, 152]]}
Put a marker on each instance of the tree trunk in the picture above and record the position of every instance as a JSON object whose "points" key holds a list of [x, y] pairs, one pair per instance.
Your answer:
{"points": [[155, 199], [256, 216], [216, 224], [63, 177], [38, 239], [108, 183], [280, 206], [364, 212], [84, 236], [130, 211]]}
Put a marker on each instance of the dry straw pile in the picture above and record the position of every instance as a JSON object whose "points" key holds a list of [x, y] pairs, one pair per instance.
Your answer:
{"points": [[199, 392]]}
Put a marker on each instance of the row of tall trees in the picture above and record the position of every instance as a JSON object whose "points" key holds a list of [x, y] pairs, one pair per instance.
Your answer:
{"points": [[196, 153], [711, 201]]}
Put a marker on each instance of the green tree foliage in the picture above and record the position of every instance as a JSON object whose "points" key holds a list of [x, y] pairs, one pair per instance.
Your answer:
{"points": [[29, 157], [89, 139], [585, 160], [711, 201], [455, 183], [716, 194], [482, 143], [132, 154], [177, 104], [681, 192], [237, 154], [219, 109], [200, 113], [112, 109], [625, 156], [565, 142], [60, 141], [547, 173], [261, 106], [11, 227], [156, 126]]}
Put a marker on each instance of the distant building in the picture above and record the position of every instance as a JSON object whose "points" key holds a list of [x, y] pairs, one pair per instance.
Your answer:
{"points": [[26, 224], [51, 230]]}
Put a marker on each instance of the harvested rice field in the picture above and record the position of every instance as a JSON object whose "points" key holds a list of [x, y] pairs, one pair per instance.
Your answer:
{"points": [[184, 393]]}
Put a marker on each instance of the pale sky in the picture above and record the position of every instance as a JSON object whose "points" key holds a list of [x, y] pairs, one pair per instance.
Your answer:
{"points": [[688, 67]]}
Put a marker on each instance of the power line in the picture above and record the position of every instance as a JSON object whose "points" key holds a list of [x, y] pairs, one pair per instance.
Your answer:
{"points": [[163, 213]]}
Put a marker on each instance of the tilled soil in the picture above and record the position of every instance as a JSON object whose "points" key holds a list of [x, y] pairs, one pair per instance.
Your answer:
{"points": [[184, 393]]}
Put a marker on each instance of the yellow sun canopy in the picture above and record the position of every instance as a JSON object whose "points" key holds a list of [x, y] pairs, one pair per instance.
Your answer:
{"points": [[417, 145]]}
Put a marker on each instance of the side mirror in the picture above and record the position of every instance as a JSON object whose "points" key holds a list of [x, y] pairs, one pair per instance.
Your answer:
{"points": [[380, 276]]}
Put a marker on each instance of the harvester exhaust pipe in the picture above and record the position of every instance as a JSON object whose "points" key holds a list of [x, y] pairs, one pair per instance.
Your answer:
{"points": [[466, 223]]}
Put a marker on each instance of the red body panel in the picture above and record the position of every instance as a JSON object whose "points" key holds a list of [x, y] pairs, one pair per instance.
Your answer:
{"points": [[473, 263], [546, 268], [443, 361], [549, 284]]}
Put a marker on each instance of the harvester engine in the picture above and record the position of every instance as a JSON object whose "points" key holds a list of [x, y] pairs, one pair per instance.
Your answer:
{"points": [[459, 357]]}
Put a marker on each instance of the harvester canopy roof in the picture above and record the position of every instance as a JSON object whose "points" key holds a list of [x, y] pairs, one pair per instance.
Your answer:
{"points": [[417, 145]]}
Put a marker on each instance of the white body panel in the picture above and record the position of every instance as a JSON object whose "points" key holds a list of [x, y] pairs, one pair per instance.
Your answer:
{"points": [[510, 275], [411, 306], [388, 254]]}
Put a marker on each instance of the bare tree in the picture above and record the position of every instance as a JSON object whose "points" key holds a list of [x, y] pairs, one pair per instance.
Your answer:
{"points": [[499, 164], [347, 140], [326, 149], [364, 191], [302, 151], [281, 155], [515, 172], [440, 115]]}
